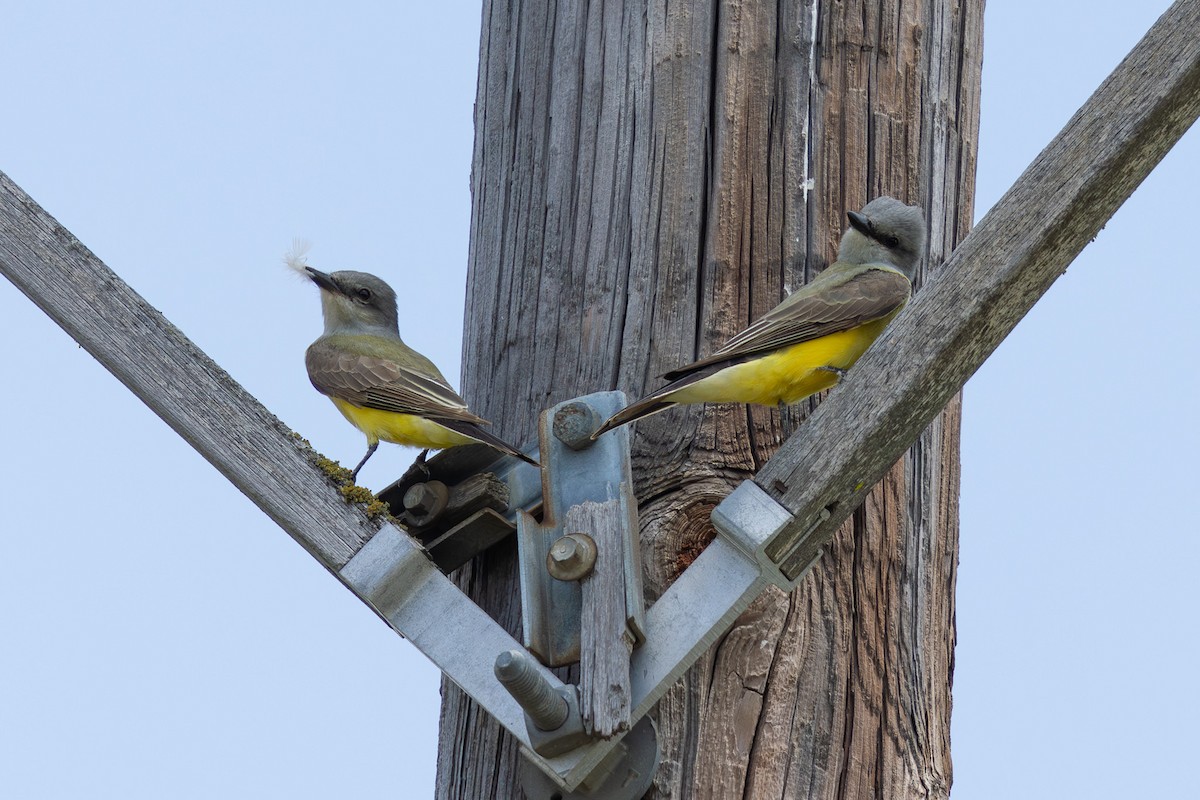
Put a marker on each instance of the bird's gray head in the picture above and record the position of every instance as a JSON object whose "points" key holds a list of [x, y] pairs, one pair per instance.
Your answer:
{"points": [[356, 302], [885, 231]]}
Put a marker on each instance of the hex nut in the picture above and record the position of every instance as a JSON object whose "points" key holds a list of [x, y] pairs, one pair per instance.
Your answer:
{"points": [[572, 557], [425, 501]]}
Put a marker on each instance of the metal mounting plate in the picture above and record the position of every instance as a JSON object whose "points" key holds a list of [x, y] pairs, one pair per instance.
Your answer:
{"points": [[597, 472]]}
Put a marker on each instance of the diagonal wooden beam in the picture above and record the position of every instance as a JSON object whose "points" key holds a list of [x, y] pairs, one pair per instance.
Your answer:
{"points": [[792, 508], [994, 277], [818, 477], [171, 375], [277, 470]]}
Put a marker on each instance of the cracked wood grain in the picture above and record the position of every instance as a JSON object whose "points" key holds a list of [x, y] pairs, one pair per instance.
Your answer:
{"points": [[649, 178]]}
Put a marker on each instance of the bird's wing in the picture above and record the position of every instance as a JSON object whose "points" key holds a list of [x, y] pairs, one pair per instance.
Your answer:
{"points": [[371, 381], [477, 433], [840, 298]]}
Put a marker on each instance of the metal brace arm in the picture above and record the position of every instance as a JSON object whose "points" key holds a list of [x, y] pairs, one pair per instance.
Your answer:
{"points": [[396, 578]]}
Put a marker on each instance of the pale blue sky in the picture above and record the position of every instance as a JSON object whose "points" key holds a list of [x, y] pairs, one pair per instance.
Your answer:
{"points": [[162, 638]]}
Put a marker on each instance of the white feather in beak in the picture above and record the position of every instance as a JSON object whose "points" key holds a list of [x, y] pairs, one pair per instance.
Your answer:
{"points": [[297, 257]]}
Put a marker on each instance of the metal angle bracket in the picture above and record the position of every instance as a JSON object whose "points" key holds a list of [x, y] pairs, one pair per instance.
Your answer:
{"points": [[576, 470], [749, 519], [624, 769], [464, 500], [624, 774], [394, 575]]}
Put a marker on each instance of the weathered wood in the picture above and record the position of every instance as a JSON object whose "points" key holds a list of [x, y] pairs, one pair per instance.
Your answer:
{"points": [[605, 644], [199, 400], [551, 175], [483, 529], [1011, 258], [819, 694], [475, 493], [276, 469], [648, 178]]}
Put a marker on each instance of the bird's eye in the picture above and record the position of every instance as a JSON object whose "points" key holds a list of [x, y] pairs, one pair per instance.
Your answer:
{"points": [[890, 242], [364, 294]]}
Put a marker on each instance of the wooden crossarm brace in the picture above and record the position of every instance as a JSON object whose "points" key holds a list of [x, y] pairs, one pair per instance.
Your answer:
{"points": [[773, 528], [811, 485], [993, 278]]}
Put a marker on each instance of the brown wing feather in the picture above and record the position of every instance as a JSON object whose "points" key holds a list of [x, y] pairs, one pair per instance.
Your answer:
{"points": [[829, 304], [373, 382]]}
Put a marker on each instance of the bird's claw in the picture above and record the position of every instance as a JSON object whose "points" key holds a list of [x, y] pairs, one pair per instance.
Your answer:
{"points": [[420, 463], [838, 371]]}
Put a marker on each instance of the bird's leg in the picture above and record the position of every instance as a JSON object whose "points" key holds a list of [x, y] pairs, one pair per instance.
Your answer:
{"points": [[420, 463], [370, 452], [838, 371]]}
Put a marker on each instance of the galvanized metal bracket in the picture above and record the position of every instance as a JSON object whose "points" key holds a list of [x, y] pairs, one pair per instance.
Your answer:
{"points": [[570, 756], [396, 578], [464, 500], [581, 739], [624, 774], [749, 519], [575, 471]]}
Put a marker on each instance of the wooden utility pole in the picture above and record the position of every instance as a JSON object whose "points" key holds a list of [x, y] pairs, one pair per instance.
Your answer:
{"points": [[841, 689], [648, 179]]}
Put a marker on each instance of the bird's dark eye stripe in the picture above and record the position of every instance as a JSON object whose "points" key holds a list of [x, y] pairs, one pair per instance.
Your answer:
{"points": [[889, 241]]}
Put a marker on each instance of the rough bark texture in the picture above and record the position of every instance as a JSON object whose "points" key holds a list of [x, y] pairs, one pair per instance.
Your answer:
{"points": [[648, 179]]}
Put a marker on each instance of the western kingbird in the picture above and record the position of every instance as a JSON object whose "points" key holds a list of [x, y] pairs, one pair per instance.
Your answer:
{"points": [[806, 343], [385, 388]]}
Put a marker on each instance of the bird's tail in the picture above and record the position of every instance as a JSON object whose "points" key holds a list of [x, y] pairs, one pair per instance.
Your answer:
{"points": [[642, 408], [491, 440]]}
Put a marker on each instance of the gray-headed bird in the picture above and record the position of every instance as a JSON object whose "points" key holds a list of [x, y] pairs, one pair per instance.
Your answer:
{"points": [[806, 343], [384, 388]]}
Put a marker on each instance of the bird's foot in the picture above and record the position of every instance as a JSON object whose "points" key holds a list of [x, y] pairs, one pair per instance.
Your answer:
{"points": [[420, 463], [838, 371]]}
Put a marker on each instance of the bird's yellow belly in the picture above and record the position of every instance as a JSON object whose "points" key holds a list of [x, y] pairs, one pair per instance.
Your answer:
{"points": [[399, 428], [786, 375]]}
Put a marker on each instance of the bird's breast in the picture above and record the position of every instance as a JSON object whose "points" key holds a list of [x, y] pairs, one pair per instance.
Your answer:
{"points": [[407, 429], [786, 375]]}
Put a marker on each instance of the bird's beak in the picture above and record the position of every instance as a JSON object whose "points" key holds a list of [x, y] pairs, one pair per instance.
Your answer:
{"points": [[861, 224], [324, 280]]}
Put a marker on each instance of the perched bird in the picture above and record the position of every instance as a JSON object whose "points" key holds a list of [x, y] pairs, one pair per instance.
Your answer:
{"points": [[806, 343], [385, 388]]}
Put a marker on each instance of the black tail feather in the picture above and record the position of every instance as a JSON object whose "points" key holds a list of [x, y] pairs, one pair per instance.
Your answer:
{"points": [[642, 408], [490, 439]]}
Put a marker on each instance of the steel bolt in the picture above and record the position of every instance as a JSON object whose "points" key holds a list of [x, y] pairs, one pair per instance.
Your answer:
{"points": [[426, 500], [574, 423], [545, 706], [572, 557]]}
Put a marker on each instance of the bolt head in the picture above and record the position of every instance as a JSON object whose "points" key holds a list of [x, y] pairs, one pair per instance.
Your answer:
{"points": [[426, 500], [574, 423], [565, 551], [571, 557]]}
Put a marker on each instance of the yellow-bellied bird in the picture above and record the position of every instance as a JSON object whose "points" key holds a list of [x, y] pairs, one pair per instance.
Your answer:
{"points": [[806, 343], [385, 388]]}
